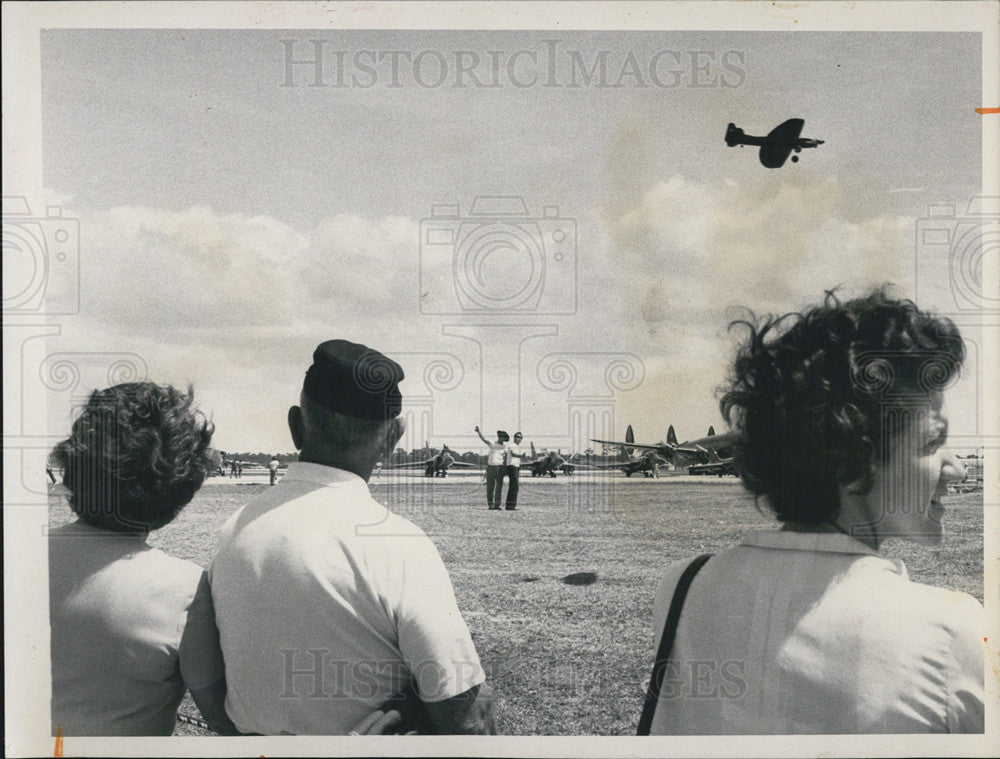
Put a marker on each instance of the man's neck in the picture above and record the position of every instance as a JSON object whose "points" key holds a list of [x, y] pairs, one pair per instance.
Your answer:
{"points": [[353, 464]]}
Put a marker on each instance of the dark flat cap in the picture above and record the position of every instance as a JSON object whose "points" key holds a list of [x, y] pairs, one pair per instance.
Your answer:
{"points": [[355, 380]]}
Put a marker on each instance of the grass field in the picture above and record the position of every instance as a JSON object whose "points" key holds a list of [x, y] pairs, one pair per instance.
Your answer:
{"points": [[573, 659]]}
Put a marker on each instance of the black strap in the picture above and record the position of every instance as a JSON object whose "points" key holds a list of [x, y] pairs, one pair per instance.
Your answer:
{"points": [[667, 643]]}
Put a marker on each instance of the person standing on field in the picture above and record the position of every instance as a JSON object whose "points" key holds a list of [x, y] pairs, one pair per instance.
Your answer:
{"points": [[513, 457], [495, 468]]}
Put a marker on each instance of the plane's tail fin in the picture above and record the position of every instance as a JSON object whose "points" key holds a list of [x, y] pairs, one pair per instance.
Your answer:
{"points": [[629, 438], [711, 431], [733, 135], [671, 436], [533, 454]]}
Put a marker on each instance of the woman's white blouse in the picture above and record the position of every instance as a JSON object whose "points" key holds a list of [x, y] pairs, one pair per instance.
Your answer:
{"points": [[805, 632]]}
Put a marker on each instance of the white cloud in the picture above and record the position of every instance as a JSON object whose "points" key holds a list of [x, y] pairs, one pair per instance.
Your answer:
{"points": [[686, 252], [236, 303], [773, 245], [150, 271]]}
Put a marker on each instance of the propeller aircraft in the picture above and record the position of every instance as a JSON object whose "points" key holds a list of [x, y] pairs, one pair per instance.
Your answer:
{"points": [[699, 450], [436, 466], [779, 143]]}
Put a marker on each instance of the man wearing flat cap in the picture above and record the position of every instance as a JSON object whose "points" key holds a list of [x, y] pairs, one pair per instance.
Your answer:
{"points": [[321, 617], [495, 467]]}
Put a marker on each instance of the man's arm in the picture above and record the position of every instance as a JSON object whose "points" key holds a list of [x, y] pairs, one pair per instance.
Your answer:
{"points": [[469, 713], [201, 662], [481, 436], [211, 702]]}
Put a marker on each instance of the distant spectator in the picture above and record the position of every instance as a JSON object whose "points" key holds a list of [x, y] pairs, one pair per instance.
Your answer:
{"points": [[272, 467]]}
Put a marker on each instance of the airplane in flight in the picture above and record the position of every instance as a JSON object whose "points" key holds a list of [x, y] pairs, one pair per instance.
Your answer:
{"points": [[680, 454], [777, 145], [436, 466]]}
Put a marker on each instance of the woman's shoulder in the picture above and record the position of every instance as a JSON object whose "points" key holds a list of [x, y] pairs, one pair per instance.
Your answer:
{"points": [[165, 574], [951, 609]]}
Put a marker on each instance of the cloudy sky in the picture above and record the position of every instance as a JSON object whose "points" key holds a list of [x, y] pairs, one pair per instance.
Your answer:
{"points": [[236, 209]]}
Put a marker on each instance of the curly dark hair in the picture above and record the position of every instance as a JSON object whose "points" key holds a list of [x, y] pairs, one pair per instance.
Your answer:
{"points": [[808, 392], [136, 456]]}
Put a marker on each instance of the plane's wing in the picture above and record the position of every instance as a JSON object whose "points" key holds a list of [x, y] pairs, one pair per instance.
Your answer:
{"points": [[779, 143], [724, 466], [411, 465], [462, 463], [711, 443], [631, 445]]}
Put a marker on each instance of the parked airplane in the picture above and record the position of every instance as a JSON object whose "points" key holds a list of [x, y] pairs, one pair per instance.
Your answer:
{"points": [[547, 464], [698, 450], [778, 145], [648, 463], [714, 465], [435, 466]]}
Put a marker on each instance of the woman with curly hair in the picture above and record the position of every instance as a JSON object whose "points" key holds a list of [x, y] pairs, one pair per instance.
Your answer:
{"points": [[131, 627], [842, 432]]}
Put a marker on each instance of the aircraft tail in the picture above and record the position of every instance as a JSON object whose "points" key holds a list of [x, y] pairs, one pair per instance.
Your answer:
{"points": [[629, 438], [733, 135], [533, 454], [671, 436], [711, 431]]}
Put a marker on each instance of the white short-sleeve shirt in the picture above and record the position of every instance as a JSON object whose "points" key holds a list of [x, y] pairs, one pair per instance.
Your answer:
{"points": [[514, 454], [804, 632], [497, 454], [328, 604]]}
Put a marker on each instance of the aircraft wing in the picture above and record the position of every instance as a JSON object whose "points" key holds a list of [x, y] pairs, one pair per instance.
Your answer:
{"points": [[644, 446], [619, 465], [779, 143], [462, 463], [723, 467], [410, 465], [711, 443]]}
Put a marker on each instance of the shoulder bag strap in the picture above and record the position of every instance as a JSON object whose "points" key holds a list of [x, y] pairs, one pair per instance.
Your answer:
{"points": [[667, 643]]}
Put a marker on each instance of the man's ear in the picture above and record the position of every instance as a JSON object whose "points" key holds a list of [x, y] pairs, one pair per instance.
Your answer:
{"points": [[398, 428], [395, 432], [297, 427]]}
